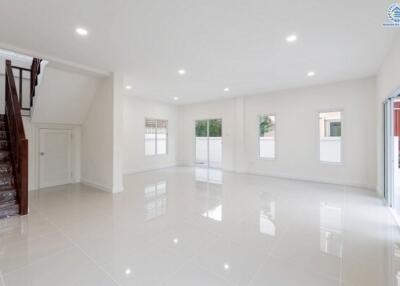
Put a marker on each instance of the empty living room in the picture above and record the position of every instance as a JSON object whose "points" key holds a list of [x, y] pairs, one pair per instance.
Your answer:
{"points": [[199, 143]]}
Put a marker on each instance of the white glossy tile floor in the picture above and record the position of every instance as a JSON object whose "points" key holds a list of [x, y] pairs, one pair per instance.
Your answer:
{"points": [[185, 226]]}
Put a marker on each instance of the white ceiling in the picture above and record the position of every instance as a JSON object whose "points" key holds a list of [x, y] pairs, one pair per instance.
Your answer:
{"points": [[238, 44]]}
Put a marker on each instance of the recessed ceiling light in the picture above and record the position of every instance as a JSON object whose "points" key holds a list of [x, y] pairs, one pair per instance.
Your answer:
{"points": [[311, 74], [128, 87], [128, 271], [176, 98], [181, 72], [291, 38], [226, 266], [81, 31], [176, 240], [226, 89]]}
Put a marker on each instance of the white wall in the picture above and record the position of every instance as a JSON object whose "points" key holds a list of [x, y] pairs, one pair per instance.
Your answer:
{"points": [[297, 137], [64, 97], [118, 152], [297, 133], [97, 139], [388, 85], [134, 114]]}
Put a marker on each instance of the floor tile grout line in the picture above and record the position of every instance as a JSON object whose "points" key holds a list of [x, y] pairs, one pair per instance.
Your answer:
{"points": [[177, 270], [37, 237], [255, 273], [86, 254], [37, 261], [306, 269], [349, 201]]}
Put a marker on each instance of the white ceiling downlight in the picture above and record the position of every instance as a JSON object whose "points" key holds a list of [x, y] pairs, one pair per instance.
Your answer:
{"points": [[291, 38], [214, 58], [226, 89], [311, 74], [181, 72], [128, 87], [81, 31], [176, 98]]}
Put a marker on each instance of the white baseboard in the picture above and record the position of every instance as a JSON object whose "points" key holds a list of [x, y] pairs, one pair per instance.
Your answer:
{"points": [[299, 178], [314, 180], [141, 170], [96, 185]]}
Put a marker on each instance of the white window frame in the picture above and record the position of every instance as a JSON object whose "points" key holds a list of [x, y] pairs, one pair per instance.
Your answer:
{"points": [[208, 142], [156, 139], [258, 137], [341, 136]]}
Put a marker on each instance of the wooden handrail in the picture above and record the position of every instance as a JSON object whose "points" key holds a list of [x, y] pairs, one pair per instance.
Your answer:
{"points": [[35, 70], [18, 141]]}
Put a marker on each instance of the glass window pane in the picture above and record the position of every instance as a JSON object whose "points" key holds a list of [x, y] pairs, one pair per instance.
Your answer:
{"points": [[162, 137], [267, 136], [330, 133], [161, 146], [215, 126], [150, 137], [150, 144], [201, 128], [156, 136]]}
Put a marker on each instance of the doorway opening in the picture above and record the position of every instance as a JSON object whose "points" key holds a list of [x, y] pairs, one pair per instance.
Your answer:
{"points": [[391, 156], [209, 143]]}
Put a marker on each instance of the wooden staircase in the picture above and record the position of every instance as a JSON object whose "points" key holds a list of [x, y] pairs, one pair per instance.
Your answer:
{"points": [[8, 194], [13, 143]]}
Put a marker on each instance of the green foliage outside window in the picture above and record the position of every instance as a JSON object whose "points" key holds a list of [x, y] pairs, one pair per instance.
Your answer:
{"points": [[267, 126], [201, 128], [215, 128]]}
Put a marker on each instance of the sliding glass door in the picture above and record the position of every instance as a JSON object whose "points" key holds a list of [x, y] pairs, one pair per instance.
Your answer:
{"points": [[209, 143], [392, 162]]}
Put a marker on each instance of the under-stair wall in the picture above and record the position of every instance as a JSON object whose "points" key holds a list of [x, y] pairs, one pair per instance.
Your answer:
{"points": [[64, 97]]}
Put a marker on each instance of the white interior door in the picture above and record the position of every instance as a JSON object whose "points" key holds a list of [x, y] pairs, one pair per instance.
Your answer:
{"points": [[55, 157]]}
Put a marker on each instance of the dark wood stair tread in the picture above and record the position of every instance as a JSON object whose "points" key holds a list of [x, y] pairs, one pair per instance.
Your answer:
{"points": [[9, 211], [8, 195]]}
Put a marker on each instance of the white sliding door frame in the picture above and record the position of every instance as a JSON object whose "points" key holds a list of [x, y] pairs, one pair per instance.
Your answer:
{"points": [[388, 152], [207, 137]]}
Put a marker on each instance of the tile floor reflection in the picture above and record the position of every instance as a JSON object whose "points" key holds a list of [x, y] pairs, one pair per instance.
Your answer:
{"points": [[214, 213], [267, 216], [331, 229], [209, 175], [184, 226], [156, 199]]}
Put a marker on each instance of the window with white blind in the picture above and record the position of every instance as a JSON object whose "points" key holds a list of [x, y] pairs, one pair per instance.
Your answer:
{"points": [[156, 137]]}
